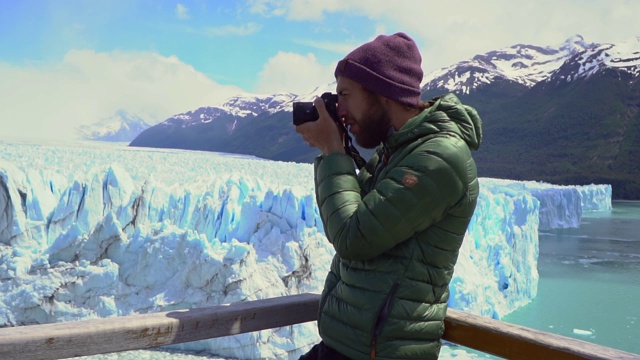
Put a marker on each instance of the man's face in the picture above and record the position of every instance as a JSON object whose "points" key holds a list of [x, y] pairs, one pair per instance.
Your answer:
{"points": [[363, 113]]}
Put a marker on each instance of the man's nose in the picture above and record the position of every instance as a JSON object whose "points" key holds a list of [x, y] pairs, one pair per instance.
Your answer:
{"points": [[342, 109]]}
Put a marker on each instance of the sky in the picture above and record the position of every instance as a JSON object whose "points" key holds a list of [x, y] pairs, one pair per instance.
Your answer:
{"points": [[75, 62]]}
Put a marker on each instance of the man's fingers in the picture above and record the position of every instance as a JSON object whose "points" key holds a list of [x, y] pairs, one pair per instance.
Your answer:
{"points": [[322, 110]]}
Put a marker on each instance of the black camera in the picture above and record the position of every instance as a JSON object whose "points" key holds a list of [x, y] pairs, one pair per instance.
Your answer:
{"points": [[305, 111]]}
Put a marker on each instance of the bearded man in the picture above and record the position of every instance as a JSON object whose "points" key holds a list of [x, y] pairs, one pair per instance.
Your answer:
{"points": [[398, 223]]}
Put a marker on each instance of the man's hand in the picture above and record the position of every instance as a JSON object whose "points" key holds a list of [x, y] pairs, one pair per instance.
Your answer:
{"points": [[323, 133]]}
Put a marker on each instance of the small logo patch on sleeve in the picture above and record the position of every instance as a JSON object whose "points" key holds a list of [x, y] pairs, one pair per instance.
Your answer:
{"points": [[409, 180]]}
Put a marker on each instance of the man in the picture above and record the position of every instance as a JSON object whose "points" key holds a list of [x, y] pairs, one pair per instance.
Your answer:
{"points": [[398, 223]]}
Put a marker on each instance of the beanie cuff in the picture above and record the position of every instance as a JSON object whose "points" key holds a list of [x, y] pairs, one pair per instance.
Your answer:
{"points": [[376, 83]]}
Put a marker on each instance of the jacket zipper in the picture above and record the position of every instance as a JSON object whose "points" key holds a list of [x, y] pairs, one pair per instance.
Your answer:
{"points": [[383, 315]]}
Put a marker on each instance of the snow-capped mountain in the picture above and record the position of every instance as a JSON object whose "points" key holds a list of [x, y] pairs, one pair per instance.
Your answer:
{"points": [[623, 56], [122, 126], [245, 106], [239, 106], [235, 126], [522, 64]]}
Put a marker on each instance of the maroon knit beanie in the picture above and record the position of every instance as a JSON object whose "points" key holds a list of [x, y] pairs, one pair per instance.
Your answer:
{"points": [[389, 66]]}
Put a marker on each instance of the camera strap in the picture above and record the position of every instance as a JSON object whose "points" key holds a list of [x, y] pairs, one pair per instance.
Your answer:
{"points": [[349, 148]]}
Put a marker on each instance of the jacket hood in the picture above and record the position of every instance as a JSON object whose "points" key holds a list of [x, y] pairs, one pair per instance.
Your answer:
{"points": [[446, 115]]}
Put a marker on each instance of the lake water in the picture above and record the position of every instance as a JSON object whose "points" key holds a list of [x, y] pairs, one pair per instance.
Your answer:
{"points": [[590, 280]]}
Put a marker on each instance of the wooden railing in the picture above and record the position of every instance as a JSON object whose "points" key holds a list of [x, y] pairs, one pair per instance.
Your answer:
{"points": [[90, 337]]}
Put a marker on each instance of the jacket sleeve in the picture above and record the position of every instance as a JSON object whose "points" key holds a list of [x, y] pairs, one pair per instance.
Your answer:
{"points": [[411, 196]]}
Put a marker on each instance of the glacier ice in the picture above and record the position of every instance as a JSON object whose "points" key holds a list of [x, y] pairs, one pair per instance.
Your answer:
{"points": [[99, 232]]}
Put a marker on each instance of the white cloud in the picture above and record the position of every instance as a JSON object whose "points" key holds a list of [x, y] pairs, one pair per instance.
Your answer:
{"points": [[86, 86], [289, 72], [455, 30], [339, 48], [242, 30], [182, 12], [268, 7]]}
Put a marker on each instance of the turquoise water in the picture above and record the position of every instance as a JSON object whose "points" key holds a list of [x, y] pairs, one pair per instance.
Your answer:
{"points": [[589, 285]]}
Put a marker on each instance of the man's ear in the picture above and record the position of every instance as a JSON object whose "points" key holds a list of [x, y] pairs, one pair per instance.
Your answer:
{"points": [[390, 105]]}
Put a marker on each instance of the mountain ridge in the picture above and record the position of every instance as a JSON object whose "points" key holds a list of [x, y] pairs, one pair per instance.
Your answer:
{"points": [[523, 64]]}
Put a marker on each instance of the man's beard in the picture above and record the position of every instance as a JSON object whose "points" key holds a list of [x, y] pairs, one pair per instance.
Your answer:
{"points": [[374, 124]]}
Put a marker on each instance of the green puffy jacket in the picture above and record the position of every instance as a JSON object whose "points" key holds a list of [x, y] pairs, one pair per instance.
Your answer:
{"points": [[396, 229]]}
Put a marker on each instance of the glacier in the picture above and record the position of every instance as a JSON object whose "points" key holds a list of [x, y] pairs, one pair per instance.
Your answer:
{"points": [[94, 231]]}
